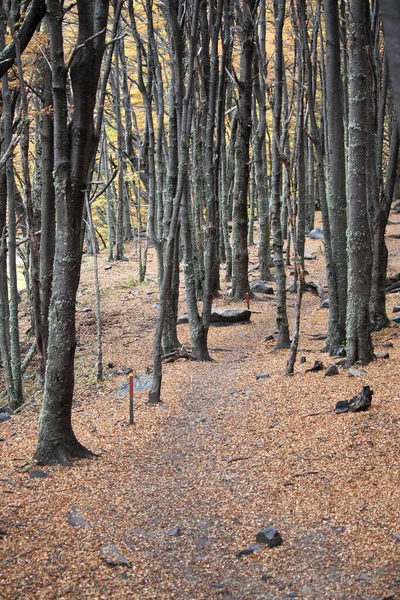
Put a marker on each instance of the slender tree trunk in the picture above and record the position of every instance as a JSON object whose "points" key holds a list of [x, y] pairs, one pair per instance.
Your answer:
{"points": [[280, 275]]}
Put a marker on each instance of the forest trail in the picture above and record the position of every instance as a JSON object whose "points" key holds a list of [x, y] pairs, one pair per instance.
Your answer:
{"points": [[186, 488]]}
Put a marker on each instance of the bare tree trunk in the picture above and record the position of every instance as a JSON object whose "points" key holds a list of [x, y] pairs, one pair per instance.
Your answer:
{"points": [[359, 344]]}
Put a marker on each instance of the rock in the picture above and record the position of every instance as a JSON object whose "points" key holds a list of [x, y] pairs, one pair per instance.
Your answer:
{"points": [[175, 531], [382, 355], [4, 417], [356, 372], [75, 519], [111, 556], [270, 337], [396, 319], [302, 360], [37, 474], [85, 310], [226, 315], [324, 303], [341, 351], [315, 287], [262, 376], [269, 536], [317, 366], [317, 233], [202, 420], [396, 308], [249, 550], [309, 256], [107, 267], [331, 370], [141, 383], [266, 577], [262, 288], [387, 345]]}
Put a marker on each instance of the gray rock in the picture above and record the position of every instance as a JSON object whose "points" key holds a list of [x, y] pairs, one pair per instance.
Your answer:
{"points": [[270, 337], [75, 519], [387, 345], [226, 315], [396, 308], [396, 319], [382, 355], [249, 550], [317, 233], [341, 351], [331, 370], [302, 360], [141, 383], [269, 536], [262, 288], [4, 417], [356, 372], [85, 310], [202, 420], [262, 376], [111, 556], [175, 531], [37, 474], [107, 267], [309, 256]]}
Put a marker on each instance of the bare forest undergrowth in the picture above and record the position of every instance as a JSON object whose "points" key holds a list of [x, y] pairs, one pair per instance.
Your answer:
{"points": [[186, 488]]}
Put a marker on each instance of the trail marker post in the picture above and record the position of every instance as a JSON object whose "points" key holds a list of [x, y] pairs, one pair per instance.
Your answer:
{"points": [[131, 418]]}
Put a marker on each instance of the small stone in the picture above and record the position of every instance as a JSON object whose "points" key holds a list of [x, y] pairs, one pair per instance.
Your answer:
{"points": [[396, 308], [341, 351], [202, 420], [382, 355], [324, 303], [37, 474], [262, 376], [249, 550], [75, 519], [317, 233], [302, 360], [266, 577], [233, 392], [309, 256], [269, 536], [356, 372], [4, 417], [387, 345], [111, 556], [175, 531], [396, 319], [85, 310], [107, 267], [331, 370], [269, 337]]}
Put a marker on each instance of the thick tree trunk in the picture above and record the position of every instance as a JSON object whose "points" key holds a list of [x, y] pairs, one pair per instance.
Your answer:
{"points": [[57, 443], [359, 345], [240, 256], [336, 199]]}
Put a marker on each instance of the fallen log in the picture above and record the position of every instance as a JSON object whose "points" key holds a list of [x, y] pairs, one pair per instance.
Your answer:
{"points": [[226, 315]]}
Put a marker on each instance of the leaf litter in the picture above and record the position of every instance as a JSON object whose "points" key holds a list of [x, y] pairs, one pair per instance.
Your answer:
{"points": [[225, 456]]}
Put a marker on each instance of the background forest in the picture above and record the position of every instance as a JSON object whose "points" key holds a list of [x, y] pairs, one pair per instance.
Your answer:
{"points": [[161, 158], [196, 128]]}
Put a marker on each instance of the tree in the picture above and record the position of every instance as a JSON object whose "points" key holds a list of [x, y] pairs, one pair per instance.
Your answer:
{"points": [[391, 25], [74, 145], [358, 336]]}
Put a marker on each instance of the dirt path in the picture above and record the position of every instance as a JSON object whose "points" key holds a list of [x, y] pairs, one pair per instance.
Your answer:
{"points": [[191, 484]]}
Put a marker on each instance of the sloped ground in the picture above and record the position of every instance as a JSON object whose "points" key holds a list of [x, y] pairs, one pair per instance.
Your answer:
{"points": [[186, 488]]}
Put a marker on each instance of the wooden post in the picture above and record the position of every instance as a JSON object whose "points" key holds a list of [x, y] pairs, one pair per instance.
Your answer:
{"points": [[131, 419]]}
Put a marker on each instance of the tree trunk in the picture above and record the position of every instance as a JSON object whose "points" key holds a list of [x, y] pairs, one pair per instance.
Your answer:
{"points": [[57, 443], [359, 345]]}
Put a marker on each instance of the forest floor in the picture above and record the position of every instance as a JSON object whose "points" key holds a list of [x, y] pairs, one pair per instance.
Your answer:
{"points": [[183, 491]]}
